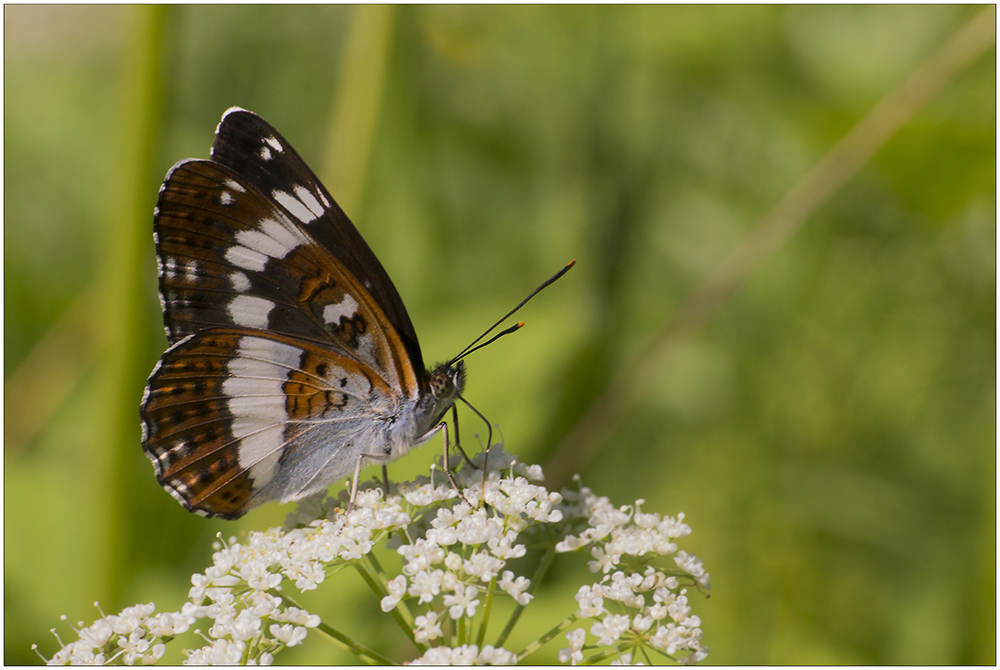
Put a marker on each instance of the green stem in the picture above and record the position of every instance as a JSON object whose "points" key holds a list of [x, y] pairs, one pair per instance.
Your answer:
{"points": [[364, 653], [408, 622], [614, 652], [487, 607], [544, 640], [376, 587], [536, 579]]}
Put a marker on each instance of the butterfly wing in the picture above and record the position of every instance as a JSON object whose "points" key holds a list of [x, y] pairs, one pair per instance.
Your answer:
{"points": [[232, 419], [231, 256], [280, 173]]}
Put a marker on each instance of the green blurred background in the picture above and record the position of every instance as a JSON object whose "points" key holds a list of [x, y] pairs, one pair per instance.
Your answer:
{"points": [[830, 433]]}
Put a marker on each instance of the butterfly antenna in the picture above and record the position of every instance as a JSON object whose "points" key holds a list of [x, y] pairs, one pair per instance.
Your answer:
{"points": [[472, 347], [508, 331]]}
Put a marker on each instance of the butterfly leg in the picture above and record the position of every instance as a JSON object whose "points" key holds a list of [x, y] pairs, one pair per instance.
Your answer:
{"points": [[354, 484], [489, 440], [443, 427], [458, 440]]}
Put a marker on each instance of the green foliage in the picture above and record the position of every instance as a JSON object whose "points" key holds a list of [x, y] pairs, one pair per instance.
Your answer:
{"points": [[830, 434]]}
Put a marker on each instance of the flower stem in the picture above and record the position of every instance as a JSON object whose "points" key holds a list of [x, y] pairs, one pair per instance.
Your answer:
{"points": [[544, 640], [404, 612], [379, 593], [543, 567], [364, 653], [487, 607]]}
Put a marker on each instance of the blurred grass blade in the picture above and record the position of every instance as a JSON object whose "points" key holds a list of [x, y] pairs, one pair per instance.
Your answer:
{"points": [[52, 370], [967, 45], [358, 103], [127, 246]]}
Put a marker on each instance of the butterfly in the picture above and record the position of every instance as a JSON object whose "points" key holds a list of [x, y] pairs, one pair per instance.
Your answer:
{"points": [[292, 359]]}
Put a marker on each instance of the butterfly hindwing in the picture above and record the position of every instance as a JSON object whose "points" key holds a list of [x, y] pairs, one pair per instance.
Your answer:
{"points": [[227, 413]]}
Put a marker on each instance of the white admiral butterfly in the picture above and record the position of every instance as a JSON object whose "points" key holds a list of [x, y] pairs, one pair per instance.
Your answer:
{"points": [[292, 358]]}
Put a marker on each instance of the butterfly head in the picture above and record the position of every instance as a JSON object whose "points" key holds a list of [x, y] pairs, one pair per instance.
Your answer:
{"points": [[445, 385], [447, 382]]}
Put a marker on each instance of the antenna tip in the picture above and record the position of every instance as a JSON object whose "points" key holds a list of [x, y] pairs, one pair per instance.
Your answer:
{"points": [[520, 324], [571, 263]]}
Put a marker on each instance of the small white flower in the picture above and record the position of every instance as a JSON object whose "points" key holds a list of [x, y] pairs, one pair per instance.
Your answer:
{"points": [[168, 624], [516, 588], [692, 565], [625, 659], [219, 652], [445, 537], [427, 494], [491, 655], [453, 562], [420, 555], [134, 646], [131, 618], [591, 602], [462, 601], [477, 528], [482, 565], [397, 589], [300, 617], [155, 654], [288, 634], [503, 547], [428, 628], [642, 623], [426, 585], [678, 609], [610, 628], [97, 634], [573, 653]]}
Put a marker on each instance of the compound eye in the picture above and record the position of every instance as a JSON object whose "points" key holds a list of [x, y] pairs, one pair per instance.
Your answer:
{"points": [[441, 384]]}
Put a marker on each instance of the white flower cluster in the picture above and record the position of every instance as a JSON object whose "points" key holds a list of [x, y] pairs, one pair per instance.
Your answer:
{"points": [[134, 636], [461, 553], [467, 654], [455, 561], [632, 610]]}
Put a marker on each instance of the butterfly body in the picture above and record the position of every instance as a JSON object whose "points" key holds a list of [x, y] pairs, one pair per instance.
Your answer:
{"points": [[292, 358]]}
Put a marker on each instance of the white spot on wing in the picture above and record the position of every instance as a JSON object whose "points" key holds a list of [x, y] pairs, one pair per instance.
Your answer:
{"points": [[257, 402], [334, 311], [250, 311], [191, 271], [282, 234], [296, 207], [239, 281], [275, 144], [309, 200], [265, 153], [226, 198], [248, 259], [274, 240], [236, 186], [263, 471]]}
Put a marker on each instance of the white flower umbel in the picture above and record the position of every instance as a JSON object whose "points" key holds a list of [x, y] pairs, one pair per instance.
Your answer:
{"points": [[455, 560]]}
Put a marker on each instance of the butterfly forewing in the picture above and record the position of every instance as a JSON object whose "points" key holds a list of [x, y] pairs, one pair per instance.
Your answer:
{"points": [[250, 146], [229, 256]]}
